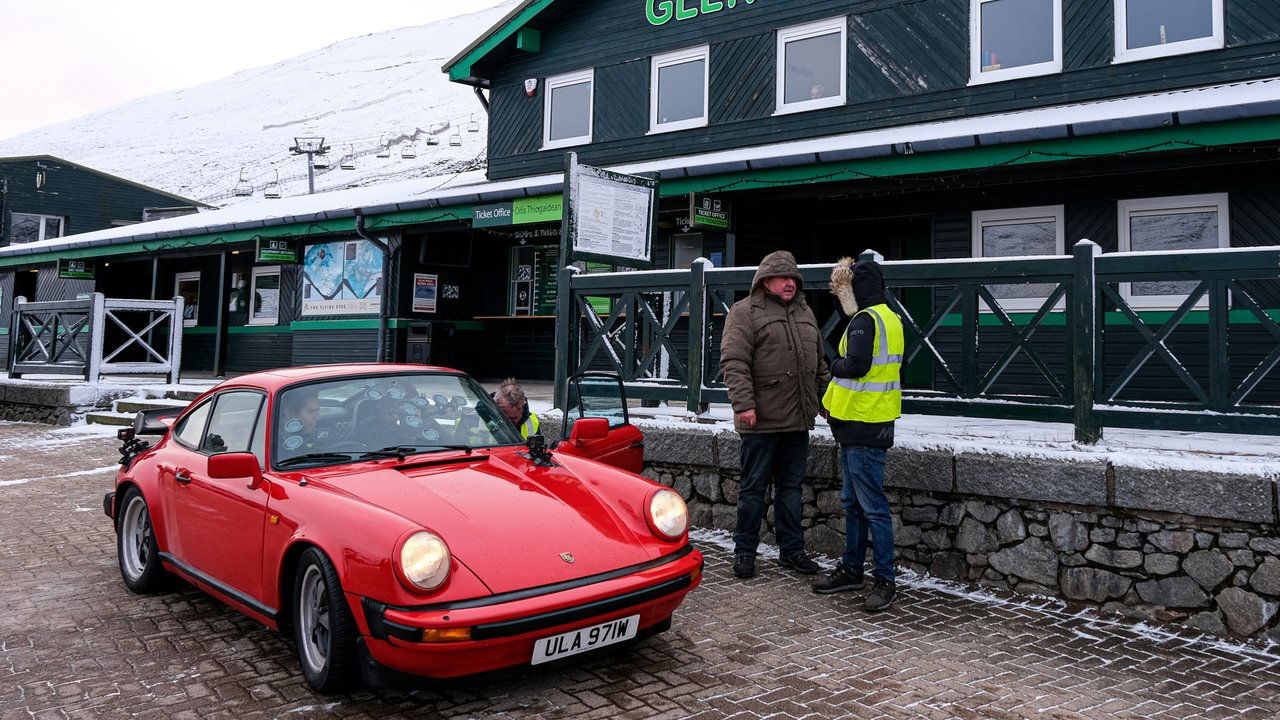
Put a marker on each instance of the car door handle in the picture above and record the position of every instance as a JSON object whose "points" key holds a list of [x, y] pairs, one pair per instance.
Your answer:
{"points": [[182, 476]]}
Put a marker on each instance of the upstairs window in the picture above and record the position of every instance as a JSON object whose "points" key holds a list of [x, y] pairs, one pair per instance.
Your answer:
{"points": [[567, 109], [811, 66], [1156, 28], [1185, 222], [678, 90], [28, 228], [1014, 39]]}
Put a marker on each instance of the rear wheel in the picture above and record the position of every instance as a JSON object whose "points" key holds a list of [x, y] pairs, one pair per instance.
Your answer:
{"points": [[136, 545], [322, 625]]}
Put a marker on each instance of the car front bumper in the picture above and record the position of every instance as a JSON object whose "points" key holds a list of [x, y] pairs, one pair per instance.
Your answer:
{"points": [[504, 628]]}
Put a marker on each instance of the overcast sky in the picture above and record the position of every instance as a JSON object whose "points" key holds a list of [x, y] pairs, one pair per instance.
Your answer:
{"points": [[66, 58]]}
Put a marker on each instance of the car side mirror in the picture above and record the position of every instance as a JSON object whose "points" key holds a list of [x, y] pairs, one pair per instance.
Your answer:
{"points": [[234, 466], [589, 429]]}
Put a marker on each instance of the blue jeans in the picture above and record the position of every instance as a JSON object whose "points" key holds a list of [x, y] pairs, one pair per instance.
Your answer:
{"points": [[777, 459], [866, 510]]}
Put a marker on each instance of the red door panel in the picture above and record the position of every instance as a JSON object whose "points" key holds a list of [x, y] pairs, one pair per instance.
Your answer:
{"points": [[623, 448]]}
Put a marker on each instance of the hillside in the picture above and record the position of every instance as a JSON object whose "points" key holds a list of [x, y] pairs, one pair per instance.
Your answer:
{"points": [[369, 94]]}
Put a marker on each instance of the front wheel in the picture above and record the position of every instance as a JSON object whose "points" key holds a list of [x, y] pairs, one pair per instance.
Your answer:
{"points": [[323, 626], [136, 545]]}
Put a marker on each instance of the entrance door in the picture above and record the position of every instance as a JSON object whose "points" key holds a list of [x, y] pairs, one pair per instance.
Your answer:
{"points": [[601, 395]]}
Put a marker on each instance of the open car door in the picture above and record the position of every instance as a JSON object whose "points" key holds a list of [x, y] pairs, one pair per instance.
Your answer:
{"points": [[601, 395]]}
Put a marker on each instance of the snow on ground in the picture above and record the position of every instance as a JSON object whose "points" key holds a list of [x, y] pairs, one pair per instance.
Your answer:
{"points": [[379, 89]]}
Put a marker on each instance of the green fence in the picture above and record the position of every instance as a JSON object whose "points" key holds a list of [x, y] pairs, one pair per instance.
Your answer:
{"points": [[662, 330]]}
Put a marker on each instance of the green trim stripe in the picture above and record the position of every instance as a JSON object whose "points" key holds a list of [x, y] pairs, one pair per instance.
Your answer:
{"points": [[461, 70]]}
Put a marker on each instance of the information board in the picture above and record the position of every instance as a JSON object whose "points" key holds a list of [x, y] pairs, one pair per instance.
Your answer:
{"points": [[611, 215]]}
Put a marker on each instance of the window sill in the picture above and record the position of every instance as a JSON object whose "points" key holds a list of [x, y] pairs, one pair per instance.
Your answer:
{"points": [[1015, 73], [809, 105], [571, 142], [1151, 52], [677, 126]]}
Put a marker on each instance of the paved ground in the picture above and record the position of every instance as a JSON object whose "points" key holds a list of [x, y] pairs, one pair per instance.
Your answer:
{"points": [[74, 643]]}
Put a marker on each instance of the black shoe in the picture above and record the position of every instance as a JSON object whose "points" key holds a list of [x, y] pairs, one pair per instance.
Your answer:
{"points": [[744, 565], [800, 563], [841, 579], [881, 596]]}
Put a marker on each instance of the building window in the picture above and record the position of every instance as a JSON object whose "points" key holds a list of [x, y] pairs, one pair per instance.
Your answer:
{"points": [[811, 66], [1156, 28], [1019, 232], [187, 286], [1187, 222], [678, 90], [567, 109], [1014, 39], [28, 228], [265, 296]]}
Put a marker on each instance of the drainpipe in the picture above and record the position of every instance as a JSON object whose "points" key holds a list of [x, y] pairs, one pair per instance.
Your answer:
{"points": [[386, 274], [480, 96]]}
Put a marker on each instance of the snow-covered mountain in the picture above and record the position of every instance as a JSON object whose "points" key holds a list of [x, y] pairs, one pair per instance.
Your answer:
{"points": [[375, 94]]}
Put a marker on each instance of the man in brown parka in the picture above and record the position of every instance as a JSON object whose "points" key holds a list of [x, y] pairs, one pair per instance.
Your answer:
{"points": [[776, 371]]}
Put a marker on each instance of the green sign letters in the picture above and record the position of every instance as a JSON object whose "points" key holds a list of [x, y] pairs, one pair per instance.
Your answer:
{"points": [[660, 12], [519, 212], [75, 269], [277, 250]]}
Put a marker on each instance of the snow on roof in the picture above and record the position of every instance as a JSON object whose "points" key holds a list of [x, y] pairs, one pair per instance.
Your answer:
{"points": [[1202, 104]]}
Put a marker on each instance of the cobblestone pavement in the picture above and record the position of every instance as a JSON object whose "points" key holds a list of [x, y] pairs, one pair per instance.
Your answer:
{"points": [[74, 643]]}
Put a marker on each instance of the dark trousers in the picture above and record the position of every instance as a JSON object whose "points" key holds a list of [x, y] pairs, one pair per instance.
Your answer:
{"points": [[777, 459]]}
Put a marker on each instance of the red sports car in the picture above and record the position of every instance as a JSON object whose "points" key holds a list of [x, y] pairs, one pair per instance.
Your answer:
{"points": [[392, 519]]}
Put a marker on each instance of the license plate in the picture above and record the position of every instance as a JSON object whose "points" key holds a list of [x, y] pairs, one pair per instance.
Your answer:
{"points": [[584, 639]]}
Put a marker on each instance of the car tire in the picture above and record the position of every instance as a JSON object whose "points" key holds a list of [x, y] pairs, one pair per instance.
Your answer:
{"points": [[323, 627], [136, 547]]}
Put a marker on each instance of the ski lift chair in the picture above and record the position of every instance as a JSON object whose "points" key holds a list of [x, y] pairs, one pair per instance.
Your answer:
{"points": [[243, 188], [408, 152], [433, 140], [384, 150], [321, 162], [272, 190], [473, 126], [349, 160], [455, 140]]}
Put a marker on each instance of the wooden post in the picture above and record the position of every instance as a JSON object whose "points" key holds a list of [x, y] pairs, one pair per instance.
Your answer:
{"points": [[1219, 359], [697, 331], [220, 332], [97, 327], [566, 330], [969, 318], [15, 322], [1084, 340], [175, 340]]}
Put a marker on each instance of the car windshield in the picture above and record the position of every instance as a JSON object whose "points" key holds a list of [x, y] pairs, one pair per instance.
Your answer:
{"points": [[360, 418]]}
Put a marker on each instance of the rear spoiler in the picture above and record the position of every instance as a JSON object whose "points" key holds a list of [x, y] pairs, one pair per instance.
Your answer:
{"points": [[152, 422]]}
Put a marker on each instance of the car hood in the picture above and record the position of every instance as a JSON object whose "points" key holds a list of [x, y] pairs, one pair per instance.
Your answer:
{"points": [[508, 520]]}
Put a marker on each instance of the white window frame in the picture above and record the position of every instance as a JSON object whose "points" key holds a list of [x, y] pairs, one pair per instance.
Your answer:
{"points": [[62, 225], [253, 293], [1015, 216], [177, 280], [977, 77], [559, 81], [803, 32], [1124, 54], [679, 57], [1153, 206]]}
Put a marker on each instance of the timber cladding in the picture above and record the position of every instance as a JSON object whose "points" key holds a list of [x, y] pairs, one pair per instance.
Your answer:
{"points": [[907, 63]]}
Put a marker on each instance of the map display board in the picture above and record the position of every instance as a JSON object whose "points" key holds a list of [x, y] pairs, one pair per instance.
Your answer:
{"points": [[342, 278], [611, 215]]}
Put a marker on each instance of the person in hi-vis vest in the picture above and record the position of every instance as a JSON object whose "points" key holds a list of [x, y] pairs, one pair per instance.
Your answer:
{"points": [[512, 402], [862, 402]]}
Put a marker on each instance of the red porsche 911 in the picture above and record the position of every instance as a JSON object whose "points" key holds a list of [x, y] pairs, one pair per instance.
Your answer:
{"points": [[393, 521]]}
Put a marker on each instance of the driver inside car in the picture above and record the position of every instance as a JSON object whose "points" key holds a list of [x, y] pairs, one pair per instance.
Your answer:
{"points": [[301, 419]]}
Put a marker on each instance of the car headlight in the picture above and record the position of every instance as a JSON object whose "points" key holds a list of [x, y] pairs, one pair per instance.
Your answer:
{"points": [[668, 515], [424, 560]]}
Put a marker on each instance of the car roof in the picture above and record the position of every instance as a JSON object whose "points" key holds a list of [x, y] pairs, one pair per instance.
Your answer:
{"points": [[280, 377]]}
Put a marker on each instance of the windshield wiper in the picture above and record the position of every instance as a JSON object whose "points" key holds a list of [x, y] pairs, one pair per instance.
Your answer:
{"points": [[401, 451], [313, 457]]}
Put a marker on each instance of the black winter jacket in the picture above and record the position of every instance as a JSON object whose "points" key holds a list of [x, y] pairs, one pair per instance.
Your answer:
{"points": [[869, 290]]}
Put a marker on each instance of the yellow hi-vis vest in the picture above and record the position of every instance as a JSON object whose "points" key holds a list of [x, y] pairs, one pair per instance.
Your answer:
{"points": [[877, 397], [530, 426]]}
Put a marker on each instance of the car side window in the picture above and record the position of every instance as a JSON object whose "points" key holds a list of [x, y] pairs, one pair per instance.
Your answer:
{"points": [[190, 429], [232, 422]]}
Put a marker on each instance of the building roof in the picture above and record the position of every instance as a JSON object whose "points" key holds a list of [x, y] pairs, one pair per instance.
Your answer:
{"points": [[1176, 113], [109, 176], [460, 66]]}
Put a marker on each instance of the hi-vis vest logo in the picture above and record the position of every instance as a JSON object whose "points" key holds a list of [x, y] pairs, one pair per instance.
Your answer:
{"points": [[661, 11]]}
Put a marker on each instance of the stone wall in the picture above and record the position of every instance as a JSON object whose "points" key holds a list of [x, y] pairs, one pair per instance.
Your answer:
{"points": [[1201, 548], [51, 403]]}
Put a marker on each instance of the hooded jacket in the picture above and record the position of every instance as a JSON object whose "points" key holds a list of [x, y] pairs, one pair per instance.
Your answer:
{"points": [[771, 354], [868, 290]]}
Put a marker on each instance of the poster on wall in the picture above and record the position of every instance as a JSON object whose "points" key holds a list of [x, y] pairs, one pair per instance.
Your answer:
{"points": [[424, 292], [342, 278]]}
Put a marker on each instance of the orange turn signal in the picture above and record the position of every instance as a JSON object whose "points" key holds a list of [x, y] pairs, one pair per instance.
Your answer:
{"points": [[446, 634], [695, 575]]}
